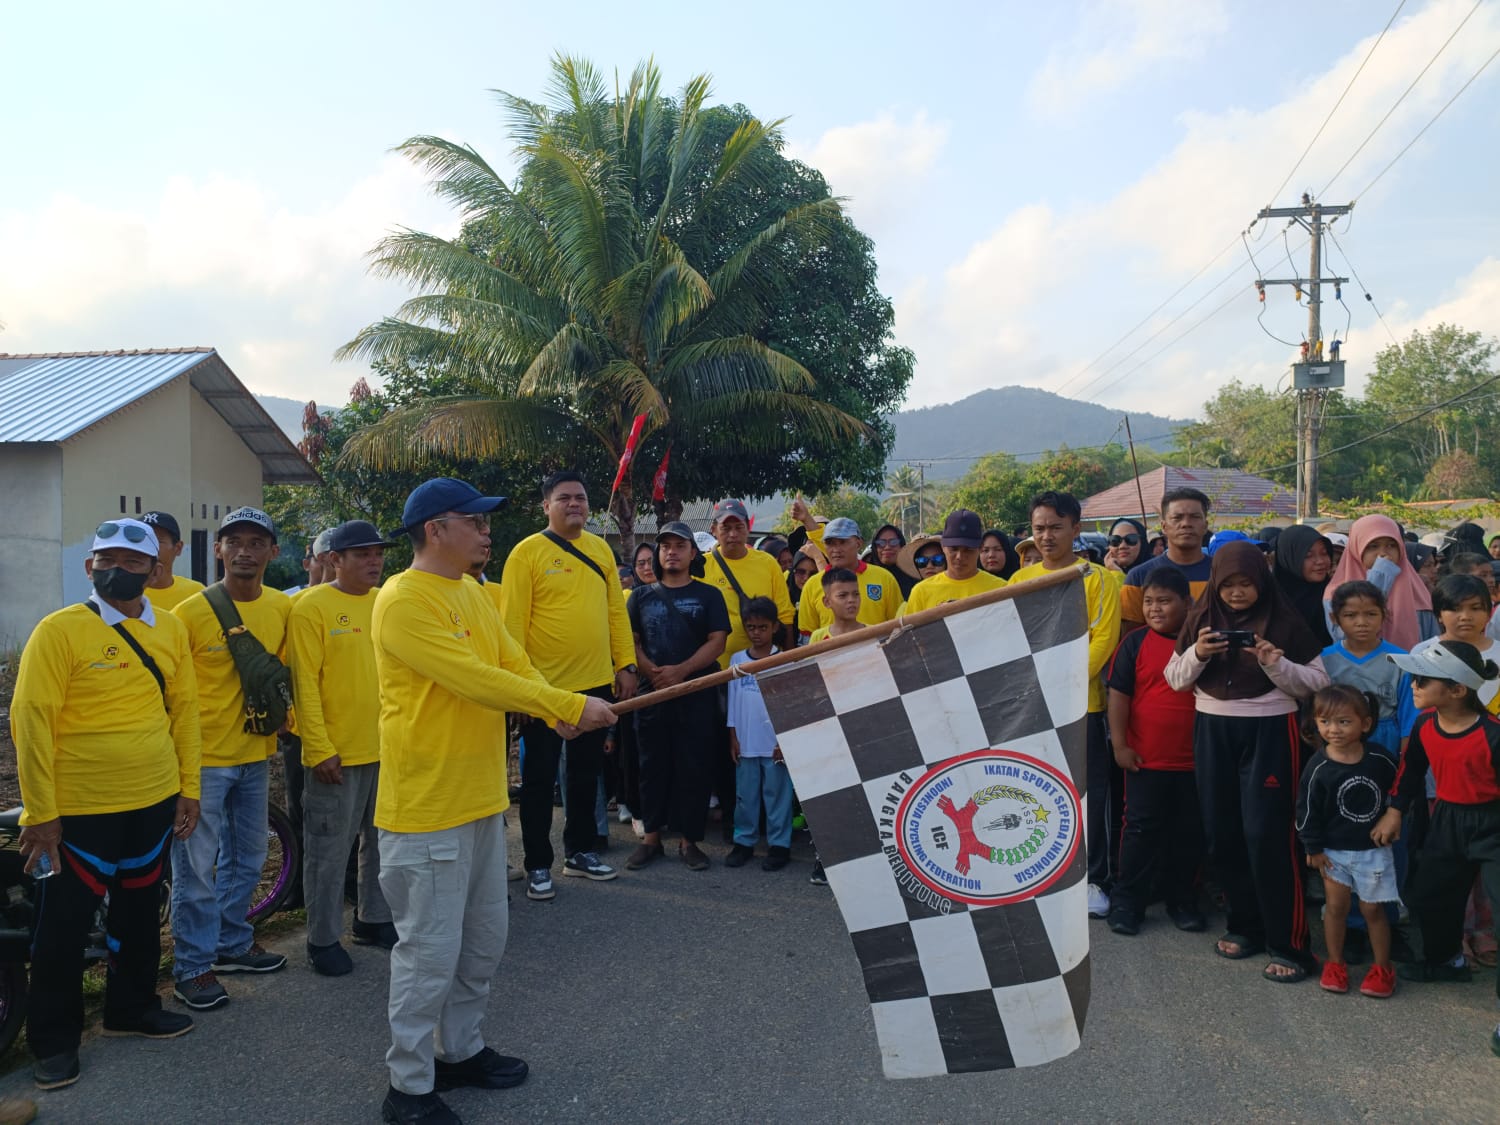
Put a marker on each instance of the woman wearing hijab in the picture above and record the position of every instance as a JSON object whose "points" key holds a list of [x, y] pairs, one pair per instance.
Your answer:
{"points": [[1424, 561], [1303, 563], [1377, 553], [1249, 659], [1127, 547], [996, 554], [885, 549]]}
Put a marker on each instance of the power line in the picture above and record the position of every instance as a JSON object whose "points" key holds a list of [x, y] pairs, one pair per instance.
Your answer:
{"points": [[1360, 282], [1034, 452], [1380, 124], [1388, 429], [1345, 94]]}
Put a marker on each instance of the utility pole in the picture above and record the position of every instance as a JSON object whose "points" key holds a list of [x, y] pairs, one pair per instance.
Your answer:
{"points": [[1315, 376], [921, 467]]}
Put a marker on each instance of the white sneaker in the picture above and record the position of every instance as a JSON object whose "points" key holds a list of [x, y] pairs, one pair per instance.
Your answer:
{"points": [[1098, 902], [539, 885], [638, 826], [624, 815]]}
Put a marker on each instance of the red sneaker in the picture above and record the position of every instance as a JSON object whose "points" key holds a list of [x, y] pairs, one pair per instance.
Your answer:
{"points": [[1379, 982], [1335, 977]]}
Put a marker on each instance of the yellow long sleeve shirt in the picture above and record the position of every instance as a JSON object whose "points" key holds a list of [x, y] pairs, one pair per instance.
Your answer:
{"points": [[940, 588], [448, 670], [760, 576], [174, 595], [91, 732], [572, 625], [1103, 597], [331, 650], [221, 700], [879, 599]]}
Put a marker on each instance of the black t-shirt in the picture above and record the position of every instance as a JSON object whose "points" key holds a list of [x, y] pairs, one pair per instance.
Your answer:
{"points": [[674, 622], [1339, 803]]}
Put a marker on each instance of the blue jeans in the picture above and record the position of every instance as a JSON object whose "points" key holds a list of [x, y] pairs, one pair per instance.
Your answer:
{"points": [[216, 869], [757, 780]]}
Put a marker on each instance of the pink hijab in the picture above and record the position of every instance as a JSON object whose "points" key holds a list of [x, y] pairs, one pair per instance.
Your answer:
{"points": [[1408, 594]]}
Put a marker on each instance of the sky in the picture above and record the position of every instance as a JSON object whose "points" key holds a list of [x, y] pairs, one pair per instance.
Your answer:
{"points": [[1056, 192]]}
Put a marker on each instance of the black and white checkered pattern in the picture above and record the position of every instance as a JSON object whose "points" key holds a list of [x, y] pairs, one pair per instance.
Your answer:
{"points": [[953, 987]]}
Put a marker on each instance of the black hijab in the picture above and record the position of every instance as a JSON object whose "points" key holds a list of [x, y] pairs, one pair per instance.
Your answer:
{"points": [[1292, 547], [1012, 561]]}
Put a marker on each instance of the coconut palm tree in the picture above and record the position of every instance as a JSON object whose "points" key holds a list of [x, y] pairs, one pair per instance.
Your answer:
{"points": [[604, 284]]}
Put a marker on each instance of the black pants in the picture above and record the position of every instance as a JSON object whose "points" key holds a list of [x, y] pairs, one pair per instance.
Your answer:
{"points": [[1163, 835], [121, 853], [1462, 841], [628, 753], [1101, 803], [539, 775], [1248, 771], [677, 743], [290, 748]]}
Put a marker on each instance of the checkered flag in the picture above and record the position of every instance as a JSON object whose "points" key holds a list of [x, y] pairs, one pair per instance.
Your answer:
{"points": [[937, 768]]}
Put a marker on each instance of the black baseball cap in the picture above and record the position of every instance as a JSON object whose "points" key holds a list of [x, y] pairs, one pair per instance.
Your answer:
{"points": [[253, 516], [444, 494], [164, 522], [356, 533], [678, 529], [963, 528]]}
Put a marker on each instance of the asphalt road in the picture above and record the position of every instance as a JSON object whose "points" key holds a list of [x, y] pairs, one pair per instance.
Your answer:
{"points": [[734, 996]]}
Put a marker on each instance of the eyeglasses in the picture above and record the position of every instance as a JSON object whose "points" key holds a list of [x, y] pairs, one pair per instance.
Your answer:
{"points": [[930, 560], [481, 522], [885, 544], [129, 530], [804, 573], [1130, 540]]}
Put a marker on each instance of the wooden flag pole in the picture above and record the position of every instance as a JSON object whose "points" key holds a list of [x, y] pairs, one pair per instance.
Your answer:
{"points": [[884, 629]]}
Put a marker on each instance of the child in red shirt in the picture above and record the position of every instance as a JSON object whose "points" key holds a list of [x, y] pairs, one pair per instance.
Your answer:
{"points": [[1151, 726]]}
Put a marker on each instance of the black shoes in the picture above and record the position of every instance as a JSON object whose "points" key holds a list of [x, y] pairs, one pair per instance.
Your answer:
{"points": [[56, 1072], [425, 1109], [738, 856], [487, 1070], [382, 934], [1425, 973], [1188, 919], [155, 1024], [330, 960], [1123, 921], [776, 858]]}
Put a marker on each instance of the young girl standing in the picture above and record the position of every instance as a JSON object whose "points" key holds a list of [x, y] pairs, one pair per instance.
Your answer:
{"points": [[1346, 791], [1249, 658], [1459, 741]]}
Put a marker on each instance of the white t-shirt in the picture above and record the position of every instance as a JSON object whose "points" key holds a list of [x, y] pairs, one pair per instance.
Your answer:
{"points": [[747, 712]]}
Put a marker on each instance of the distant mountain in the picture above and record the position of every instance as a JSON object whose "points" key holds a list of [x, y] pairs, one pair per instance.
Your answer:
{"points": [[285, 412], [1020, 420]]}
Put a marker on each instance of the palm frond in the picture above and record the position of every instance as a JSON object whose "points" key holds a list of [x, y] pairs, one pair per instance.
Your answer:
{"points": [[810, 217], [625, 384], [765, 421], [460, 427], [555, 368], [711, 369], [460, 174], [578, 88], [428, 262], [676, 296], [392, 340]]}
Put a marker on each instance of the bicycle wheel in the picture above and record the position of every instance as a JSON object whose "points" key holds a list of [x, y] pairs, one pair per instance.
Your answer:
{"points": [[283, 856], [12, 1002]]}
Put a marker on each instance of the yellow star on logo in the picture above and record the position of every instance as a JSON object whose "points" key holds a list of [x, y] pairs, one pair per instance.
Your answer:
{"points": [[1041, 814]]}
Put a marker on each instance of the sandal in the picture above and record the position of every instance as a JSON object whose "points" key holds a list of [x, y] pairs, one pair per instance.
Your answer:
{"points": [[1298, 973], [1247, 948]]}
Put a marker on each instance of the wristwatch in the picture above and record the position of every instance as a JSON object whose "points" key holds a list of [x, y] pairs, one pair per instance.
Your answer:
{"points": [[629, 668]]}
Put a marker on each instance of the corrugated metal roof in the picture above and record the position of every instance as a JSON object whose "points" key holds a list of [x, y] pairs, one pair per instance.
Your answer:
{"points": [[55, 397], [1230, 491]]}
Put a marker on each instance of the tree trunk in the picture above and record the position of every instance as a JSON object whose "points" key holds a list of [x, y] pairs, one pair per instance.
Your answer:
{"points": [[623, 510]]}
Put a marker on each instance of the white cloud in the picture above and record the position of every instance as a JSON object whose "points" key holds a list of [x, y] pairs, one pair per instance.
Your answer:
{"points": [[1136, 35], [879, 165], [1205, 189], [222, 260]]}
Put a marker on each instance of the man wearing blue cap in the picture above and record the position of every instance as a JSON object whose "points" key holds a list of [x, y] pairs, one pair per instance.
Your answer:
{"points": [[448, 672], [105, 719], [563, 606], [332, 655], [879, 592]]}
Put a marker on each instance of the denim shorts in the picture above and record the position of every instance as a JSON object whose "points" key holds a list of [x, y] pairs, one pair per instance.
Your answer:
{"points": [[1370, 871]]}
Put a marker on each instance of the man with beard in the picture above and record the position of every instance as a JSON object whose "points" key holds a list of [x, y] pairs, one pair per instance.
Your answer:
{"points": [[680, 626]]}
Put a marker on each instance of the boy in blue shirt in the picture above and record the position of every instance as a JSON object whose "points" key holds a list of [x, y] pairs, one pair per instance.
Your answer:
{"points": [[760, 774]]}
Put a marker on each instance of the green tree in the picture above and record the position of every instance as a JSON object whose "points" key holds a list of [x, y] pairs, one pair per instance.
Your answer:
{"points": [[1457, 475], [654, 257], [914, 503], [1432, 367], [861, 507]]}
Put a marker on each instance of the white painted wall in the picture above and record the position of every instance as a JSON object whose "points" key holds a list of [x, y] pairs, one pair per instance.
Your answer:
{"points": [[31, 581]]}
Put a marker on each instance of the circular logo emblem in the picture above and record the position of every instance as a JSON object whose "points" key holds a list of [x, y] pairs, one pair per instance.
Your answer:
{"points": [[1360, 800], [111, 651], [455, 618], [989, 827], [343, 619]]}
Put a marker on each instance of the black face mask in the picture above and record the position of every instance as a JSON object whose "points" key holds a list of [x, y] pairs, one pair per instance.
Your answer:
{"points": [[119, 584]]}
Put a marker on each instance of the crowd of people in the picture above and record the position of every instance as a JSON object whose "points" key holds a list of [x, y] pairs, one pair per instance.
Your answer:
{"points": [[1259, 709]]}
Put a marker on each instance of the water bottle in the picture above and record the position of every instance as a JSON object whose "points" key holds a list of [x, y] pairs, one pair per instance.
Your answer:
{"points": [[43, 868]]}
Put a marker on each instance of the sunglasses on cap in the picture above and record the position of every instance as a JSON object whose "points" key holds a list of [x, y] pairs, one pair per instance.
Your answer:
{"points": [[883, 543], [930, 560], [1131, 540], [132, 533]]}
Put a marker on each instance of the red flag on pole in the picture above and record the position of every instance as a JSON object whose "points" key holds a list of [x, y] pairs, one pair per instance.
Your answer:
{"points": [[659, 481], [629, 454]]}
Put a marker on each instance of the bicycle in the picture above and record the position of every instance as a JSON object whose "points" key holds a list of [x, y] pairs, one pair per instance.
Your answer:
{"points": [[18, 908]]}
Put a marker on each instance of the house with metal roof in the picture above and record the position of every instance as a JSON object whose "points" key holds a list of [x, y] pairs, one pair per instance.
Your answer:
{"points": [[89, 435], [1235, 496]]}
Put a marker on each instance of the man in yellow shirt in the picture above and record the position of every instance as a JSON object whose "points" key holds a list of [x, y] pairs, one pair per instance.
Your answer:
{"points": [[448, 672], [563, 606], [1055, 520], [331, 651], [105, 723], [215, 871], [166, 590], [741, 574], [963, 533], [879, 592]]}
